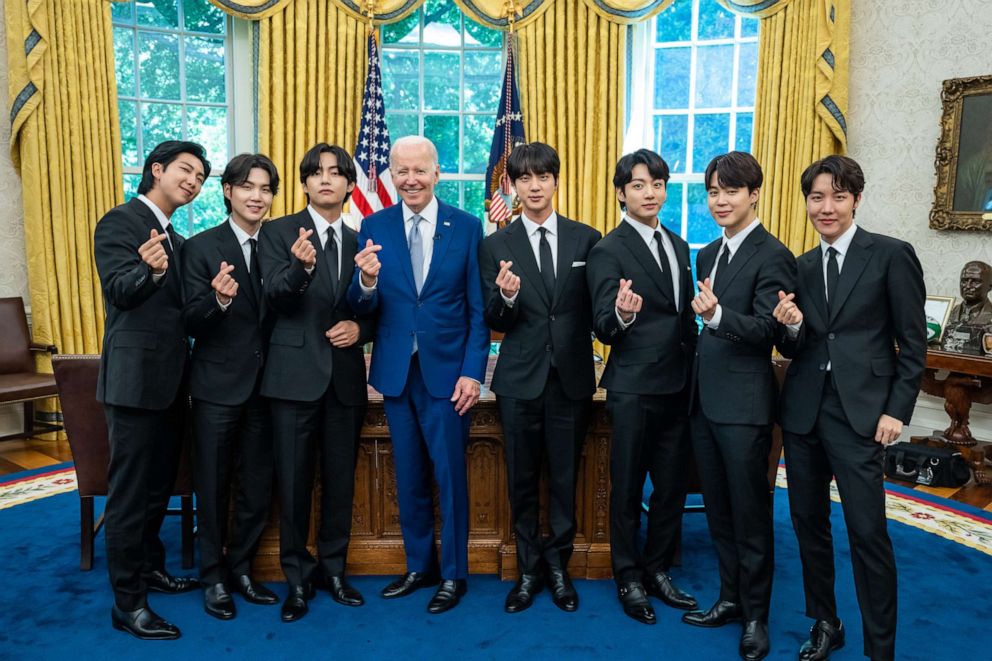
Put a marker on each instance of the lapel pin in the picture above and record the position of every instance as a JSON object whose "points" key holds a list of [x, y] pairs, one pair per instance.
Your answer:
{"points": [[447, 224]]}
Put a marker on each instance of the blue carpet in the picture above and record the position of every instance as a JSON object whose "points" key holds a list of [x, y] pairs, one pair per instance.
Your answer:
{"points": [[52, 610]]}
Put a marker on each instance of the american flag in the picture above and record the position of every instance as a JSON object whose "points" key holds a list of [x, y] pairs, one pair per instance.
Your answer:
{"points": [[508, 134], [374, 189]]}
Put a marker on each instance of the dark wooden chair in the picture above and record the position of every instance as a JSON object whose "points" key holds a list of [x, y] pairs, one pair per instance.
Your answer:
{"points": [[86, 427], [20, 382]]}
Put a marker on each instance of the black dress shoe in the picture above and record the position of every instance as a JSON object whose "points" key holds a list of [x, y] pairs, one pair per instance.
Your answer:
{"points": [[824, 638], [253, 592], [162, 581], [562, 591], [295, 606], [720, 614], [448, 594], [342, 591], [522, 594], [143, 623], [660, 585], [754, 640], [409, 583], [635, 602], [217, 602]]}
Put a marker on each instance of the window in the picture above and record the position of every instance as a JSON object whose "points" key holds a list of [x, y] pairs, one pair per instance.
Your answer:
{"points": [[174, 82], [700, 103], [441, 76]]}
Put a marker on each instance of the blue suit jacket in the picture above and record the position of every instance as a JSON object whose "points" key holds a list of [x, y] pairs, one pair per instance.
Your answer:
{"points": [[446, 317]]}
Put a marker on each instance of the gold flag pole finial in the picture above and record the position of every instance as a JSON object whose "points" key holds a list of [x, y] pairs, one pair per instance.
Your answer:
{"points": [[510, 12], [370, 14]]}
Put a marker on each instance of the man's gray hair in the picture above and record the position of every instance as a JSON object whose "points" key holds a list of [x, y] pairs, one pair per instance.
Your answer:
{"points": [[414, 140]]}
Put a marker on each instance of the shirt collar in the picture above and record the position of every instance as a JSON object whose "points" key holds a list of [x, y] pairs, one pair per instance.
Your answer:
{"points": [[646, 232], [242, 235], [550, 224], [734, 242], [428, 214], [322, 225], [159, 214], [843, 242]]}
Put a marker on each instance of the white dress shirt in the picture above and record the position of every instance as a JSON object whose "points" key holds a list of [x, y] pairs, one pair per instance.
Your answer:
{"points": [[164, 222], [323, 227], [730, 244], [428, 227], [534, 236], [647, 233]]}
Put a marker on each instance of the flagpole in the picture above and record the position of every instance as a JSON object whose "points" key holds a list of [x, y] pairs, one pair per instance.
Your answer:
{"points": [[373, 174]]}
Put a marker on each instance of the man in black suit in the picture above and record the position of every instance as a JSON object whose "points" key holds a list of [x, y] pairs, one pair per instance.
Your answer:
{"points": [[733, 395], [141, 382], [847, 394], [544, 379], [641, 286], [227, 317], [315, 375]]}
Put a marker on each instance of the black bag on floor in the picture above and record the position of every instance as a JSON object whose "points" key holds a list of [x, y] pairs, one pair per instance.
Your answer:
{"points": [[922, 464]]}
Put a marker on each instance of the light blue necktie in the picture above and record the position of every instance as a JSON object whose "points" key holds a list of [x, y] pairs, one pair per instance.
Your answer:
{"points": [[416, 260]]}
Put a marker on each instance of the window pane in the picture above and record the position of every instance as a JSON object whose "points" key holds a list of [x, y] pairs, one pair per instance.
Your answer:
{"points": [[483, 81], [671, 213], [401, 125], [671, 78], [205, 71], [715, 22], [208, 207], [441, 80], [122, 11], [749, 27], [745, 127], [124, 61], [208, 126], [747, 73], [675, 23], [700, 227], [131, 182], [442, 23], [406, 31], [475, 197], [160, 122], [711, 137], [201, 16], [481, 36], [442, 130], [160, 13], [448, 191], [714, 76], [693, 252], [477, 140], [159, 65], [401, 80], [670, 140], [129, 133]]}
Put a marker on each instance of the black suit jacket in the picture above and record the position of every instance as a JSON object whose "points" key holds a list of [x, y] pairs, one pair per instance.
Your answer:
{"points": [[653, 355], [879, 301], [229, 345], [144, 342], [537, 328], [301, 360], [733, 379]]}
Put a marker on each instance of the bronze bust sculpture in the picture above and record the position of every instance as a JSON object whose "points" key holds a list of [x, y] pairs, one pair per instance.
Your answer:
{"points": [[971, 318]]}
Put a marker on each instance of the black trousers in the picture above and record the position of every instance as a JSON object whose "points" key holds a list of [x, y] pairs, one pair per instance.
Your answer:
{"points": [[833, 448], [552, 426], [307, 432], [733, 469], [229, 441], [144, 456], [650, 437]]}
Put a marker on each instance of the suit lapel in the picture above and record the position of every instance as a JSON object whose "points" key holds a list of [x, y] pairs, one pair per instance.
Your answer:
{"points": [[148, 219], [706, 259], [523, 257], [395, 230], [231, 252], [442, 239], [306, 222], [635, 244], [858, 254], [811, 270], [747, 250], [567, 243], [349, 246]]}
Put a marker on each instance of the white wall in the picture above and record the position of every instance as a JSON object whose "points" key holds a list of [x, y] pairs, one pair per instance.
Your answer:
{"points": [[13, 261]]}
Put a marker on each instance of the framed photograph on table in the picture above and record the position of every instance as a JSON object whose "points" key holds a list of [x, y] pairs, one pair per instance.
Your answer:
{"points": [[938, 311]]}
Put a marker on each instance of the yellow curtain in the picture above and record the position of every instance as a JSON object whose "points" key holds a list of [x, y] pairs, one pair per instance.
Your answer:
{"points": [[572, 73], [801, 102], [386, 11], [492, 13], [66, 143]]}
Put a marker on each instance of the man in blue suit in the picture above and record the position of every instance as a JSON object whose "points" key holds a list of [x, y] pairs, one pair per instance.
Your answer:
{"points": [[428, 361]]}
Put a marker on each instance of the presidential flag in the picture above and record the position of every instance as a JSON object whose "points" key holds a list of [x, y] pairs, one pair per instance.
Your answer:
{"points": [[374, 189], [508, 134]]}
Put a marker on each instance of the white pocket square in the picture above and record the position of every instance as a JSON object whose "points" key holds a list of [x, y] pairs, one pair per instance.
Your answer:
{"points": [[574, 264]]}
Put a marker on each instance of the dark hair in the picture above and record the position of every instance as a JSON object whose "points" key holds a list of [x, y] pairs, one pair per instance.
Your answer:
{"points": [[736, 169], [239, 168], [846, 173], [624, 172], [165, 153], [533, 158], [311, 163]]}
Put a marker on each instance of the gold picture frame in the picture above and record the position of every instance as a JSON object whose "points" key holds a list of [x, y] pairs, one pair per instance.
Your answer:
{"points": [[963, 192]]}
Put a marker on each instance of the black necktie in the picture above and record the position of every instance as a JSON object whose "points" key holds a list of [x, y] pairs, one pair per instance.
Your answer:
{"points": [[666, 270], [833, 276], [547, 263], [256, 271], [331, 255], [170, 246], [721, 264]]}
